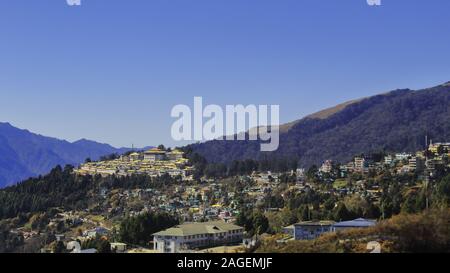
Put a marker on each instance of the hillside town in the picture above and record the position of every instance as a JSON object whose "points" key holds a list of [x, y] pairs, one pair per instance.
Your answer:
{"points": [[233, 213], [154, 162]]}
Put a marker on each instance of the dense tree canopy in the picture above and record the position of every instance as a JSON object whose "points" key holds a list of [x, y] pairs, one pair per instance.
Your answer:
{"points": [[138, 230]]}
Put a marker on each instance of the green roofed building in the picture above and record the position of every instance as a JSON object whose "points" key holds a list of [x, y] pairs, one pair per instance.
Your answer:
{"points": [[197, 235]]}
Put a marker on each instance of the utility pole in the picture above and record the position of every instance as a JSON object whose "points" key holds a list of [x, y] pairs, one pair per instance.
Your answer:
{"points": [[427, 181], [426, 173]]}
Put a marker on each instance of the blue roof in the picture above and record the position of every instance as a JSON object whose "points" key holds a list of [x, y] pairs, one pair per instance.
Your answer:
{"points": [[360, 222]]}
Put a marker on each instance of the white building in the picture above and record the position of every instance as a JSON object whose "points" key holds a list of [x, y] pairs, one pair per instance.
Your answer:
{"points": [[388, 160], [327, 166], [135, 156], [310, 230], [118, 247], [197, 235], [360, 164], [98, 231], [402, 156]]}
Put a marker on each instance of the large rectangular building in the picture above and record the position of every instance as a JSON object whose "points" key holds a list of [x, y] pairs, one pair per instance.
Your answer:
{"points": [[154, 154], [190, 236], [310, 230], [357, 223]]}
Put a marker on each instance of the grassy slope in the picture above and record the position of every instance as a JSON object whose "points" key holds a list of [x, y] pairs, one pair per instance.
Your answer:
{"points": [[425, 232]]}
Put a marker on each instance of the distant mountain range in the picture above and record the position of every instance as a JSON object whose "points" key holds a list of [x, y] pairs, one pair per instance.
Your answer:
{"points": [[395, 121], [24, 154]]}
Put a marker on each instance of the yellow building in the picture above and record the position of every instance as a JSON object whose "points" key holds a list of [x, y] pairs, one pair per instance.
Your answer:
{"points": [[175, 155], [154, 154]]}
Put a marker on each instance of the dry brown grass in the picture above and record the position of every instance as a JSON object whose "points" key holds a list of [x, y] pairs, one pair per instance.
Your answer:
{"points": [[425, 232]]}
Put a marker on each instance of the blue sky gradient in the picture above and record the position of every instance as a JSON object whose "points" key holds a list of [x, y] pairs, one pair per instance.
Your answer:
{"points": [[112, 70]]}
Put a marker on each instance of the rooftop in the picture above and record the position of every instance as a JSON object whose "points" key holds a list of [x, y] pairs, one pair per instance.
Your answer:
{"points": [[315, 223], [189, 229], [360, 222], [155, 151]]}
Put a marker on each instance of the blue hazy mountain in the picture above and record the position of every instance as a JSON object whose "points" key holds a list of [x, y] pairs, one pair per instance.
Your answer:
{"points": [[24, 154]]}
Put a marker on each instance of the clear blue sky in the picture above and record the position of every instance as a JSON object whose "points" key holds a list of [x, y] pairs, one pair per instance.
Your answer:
{"points": [[111, 70]]}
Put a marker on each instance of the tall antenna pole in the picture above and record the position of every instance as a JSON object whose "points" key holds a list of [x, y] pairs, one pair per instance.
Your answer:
{"points": [[427, 173]]}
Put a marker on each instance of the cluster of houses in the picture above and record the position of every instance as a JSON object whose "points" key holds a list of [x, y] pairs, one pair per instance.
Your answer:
{"points": [[202, 202], [209, 209], [206, 202], [154, 162], [420, 162]]}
